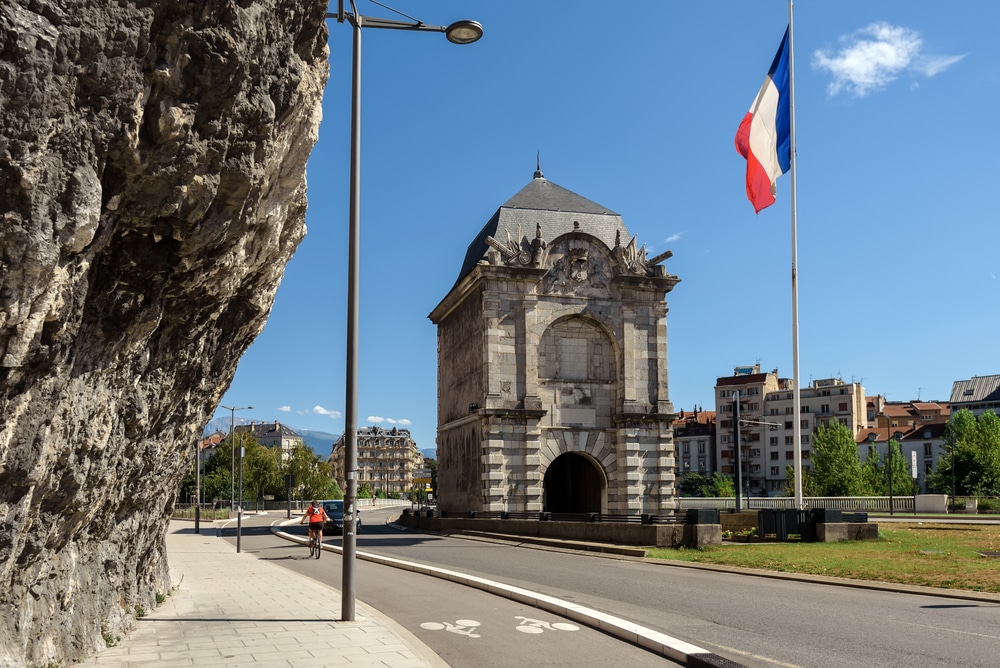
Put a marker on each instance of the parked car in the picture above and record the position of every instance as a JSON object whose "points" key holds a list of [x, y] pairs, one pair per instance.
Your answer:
{"points": [[335, 511]]}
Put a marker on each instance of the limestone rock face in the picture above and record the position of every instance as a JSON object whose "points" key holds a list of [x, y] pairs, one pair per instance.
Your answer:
{"points": [[152, 189]]}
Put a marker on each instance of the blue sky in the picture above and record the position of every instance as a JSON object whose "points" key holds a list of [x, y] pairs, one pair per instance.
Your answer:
{"points": [[635, 105]]}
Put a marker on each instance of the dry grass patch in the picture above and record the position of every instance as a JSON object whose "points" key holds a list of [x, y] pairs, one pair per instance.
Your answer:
{"points": [[934, 555]]}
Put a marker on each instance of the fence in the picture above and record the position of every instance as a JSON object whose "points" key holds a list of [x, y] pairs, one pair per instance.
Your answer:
{"points": [[877, 504]]}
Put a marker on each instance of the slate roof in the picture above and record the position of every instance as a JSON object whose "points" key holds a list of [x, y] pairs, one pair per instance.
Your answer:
{"points": [[555, 209], [978, 389]]}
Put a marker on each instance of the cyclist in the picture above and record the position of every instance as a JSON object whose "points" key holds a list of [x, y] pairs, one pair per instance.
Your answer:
{"points": [[316, 516]]}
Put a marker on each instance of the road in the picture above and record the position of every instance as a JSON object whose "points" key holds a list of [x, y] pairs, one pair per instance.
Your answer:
{"points": [[464, 626], [760, 622]]}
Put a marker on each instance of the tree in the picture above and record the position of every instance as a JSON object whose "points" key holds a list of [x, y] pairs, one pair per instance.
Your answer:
{"points": [[873, 476], [313, 476], [836, 466], [694, 484], [972, 454], [903, 483]]}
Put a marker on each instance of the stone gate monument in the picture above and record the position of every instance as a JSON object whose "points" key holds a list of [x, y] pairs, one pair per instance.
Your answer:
{"points": [[552, 365]]}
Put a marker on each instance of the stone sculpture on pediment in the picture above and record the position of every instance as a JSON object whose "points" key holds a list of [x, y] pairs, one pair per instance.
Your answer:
{"points": [[578, 267], [632, 259], [520, 251]]}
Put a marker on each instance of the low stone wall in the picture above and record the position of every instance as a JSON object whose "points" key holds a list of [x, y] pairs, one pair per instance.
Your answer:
{"points": [[836, 532], [621, 533], [738, 522]]}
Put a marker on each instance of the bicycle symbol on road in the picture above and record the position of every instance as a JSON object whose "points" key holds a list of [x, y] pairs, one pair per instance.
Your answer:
{"points": [[470, 627], [528, 625], [465, 627]]}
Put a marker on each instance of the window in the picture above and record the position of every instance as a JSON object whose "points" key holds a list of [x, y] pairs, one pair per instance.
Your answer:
{"points": [[805, 454], [773, 440], [804, 424], [805, 409], [842, 406], [701, 447], [701, 464], [774, 470], [788, 440], [805, 439], [755, 468], [788, 424], [927, 450], [754, 406], [723, 393], [774, 456], [824, 408], [789, 455], [686, 449], [755, 452]]}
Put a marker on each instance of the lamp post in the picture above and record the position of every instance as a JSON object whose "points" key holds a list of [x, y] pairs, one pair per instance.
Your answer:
{"points": [[197, 486], [232, 443], [460, 32]]}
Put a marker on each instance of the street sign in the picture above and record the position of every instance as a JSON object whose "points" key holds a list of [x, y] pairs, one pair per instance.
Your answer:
{"points": [[913, 464], [425, 481]]}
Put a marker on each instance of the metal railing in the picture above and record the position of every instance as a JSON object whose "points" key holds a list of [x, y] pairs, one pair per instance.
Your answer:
{"points": [[876, 504]]}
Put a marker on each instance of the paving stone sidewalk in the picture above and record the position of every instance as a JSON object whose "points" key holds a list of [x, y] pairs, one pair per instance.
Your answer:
{"points": [[233, 610]]}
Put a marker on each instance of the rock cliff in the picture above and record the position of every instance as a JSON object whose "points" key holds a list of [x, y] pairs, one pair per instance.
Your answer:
{"points": [[152, 189]]}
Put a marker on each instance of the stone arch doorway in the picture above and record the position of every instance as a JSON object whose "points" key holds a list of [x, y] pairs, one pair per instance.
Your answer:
{"points": [[574, 484]]}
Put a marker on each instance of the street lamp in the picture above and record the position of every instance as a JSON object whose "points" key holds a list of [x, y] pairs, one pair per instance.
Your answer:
{"points": [[232, 443], [460, 32]]}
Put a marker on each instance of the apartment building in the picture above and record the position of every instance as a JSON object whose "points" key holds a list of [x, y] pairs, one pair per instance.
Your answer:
{"points": [[822, 403], [388, 460], [694, 440], [918, 427], [751, 386], [767, 429], [271, 435]]}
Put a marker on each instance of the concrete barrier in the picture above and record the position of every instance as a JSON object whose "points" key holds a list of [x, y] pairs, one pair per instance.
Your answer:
{"points": [[931, 503]]}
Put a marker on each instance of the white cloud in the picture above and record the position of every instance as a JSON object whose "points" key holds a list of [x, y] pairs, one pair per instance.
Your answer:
{"points": [[285, 409], [875, 56], [319, 410], [933, 65], [377, 419], [672, 237]]}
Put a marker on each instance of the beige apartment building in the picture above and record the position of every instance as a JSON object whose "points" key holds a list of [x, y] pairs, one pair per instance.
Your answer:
{"points": [[768, 419], [271, 435], [388, 460]]}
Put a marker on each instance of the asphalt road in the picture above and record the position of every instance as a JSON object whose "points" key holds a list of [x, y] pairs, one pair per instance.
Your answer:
{"points": [[760, 622], [464, 626]]}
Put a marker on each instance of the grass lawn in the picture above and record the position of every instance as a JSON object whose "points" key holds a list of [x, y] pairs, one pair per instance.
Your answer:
{"points": [[933, 555]]}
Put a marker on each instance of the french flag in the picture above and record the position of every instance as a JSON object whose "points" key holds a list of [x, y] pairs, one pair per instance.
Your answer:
{"points": [[764, 137]]}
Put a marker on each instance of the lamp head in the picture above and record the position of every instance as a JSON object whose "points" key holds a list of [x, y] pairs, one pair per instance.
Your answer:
{"points": [[464, 32]]}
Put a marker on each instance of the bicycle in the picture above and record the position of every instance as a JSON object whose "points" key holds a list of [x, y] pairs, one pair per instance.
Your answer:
{"points": [[315, 545]]}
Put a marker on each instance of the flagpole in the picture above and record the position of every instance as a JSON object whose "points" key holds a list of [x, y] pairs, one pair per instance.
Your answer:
{"points": [[797, 402]]}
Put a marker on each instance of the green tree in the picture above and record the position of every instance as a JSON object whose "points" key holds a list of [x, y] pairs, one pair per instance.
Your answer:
{"points": [[972, 451], [903, 483], [836, 466], [694, 484], [873, 477], [313, 476], [721, 486]]}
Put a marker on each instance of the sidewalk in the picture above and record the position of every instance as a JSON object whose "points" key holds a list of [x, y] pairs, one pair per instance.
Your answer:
{"points": [[232, 610]]}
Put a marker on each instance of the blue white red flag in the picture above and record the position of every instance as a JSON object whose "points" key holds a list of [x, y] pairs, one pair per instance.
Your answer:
{"points": [[764, 137]]}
